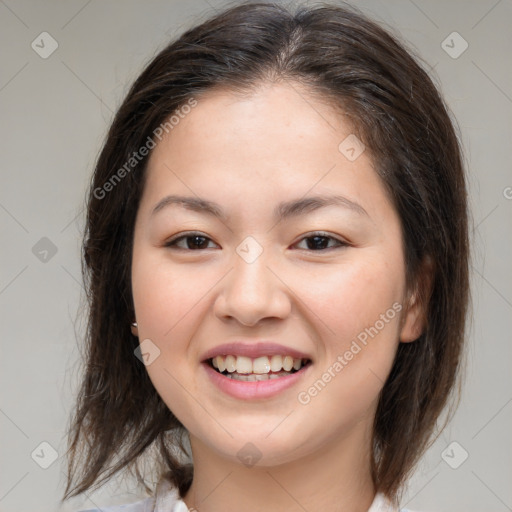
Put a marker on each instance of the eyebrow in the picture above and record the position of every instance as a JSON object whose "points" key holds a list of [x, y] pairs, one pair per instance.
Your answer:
{"points": [[281, 212]]}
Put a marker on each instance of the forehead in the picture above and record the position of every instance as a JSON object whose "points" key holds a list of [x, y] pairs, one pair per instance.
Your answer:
{"points": [[270, 113], [278, 139]]}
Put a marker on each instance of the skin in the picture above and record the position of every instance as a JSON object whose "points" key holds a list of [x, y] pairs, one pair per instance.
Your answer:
{"points": [[248, 154]]}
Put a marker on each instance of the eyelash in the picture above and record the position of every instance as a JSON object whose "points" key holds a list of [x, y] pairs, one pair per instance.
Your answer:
{"points": [[171, 244]]}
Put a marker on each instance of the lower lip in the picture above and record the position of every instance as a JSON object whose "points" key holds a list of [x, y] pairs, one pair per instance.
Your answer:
{"points": [[252, 390]]}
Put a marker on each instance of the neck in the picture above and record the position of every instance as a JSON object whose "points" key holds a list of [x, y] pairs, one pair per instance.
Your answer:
{"points": [[336, 477]]}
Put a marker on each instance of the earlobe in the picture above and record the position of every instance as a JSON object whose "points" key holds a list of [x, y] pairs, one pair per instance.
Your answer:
{"points": [[415, 317], [413, 323], [134, 329]]}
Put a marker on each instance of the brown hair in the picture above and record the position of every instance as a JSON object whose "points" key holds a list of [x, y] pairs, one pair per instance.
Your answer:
{"points": [[396, 111]]}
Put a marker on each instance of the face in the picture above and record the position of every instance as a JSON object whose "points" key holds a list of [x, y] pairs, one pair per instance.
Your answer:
{"points": [[274, 266]]}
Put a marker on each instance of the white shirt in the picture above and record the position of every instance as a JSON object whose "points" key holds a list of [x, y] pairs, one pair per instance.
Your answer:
{"points": [[167, 499]]}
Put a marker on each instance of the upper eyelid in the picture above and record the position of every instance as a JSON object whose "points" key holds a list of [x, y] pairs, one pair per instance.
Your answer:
{"points": [[342, 242], [186, 235]]}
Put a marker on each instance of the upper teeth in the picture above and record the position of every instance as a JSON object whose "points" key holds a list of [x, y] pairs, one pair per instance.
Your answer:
{"points": [[264, 364]]}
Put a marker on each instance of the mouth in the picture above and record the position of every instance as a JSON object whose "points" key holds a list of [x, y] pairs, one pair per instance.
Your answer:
{"points": [[263, 368], [258, 370]]}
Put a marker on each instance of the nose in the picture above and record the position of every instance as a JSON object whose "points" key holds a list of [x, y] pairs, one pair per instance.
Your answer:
{"points": [[252, 292]]}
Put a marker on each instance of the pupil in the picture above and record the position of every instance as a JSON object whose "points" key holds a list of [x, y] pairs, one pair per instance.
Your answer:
{"points": [[195, 242], [317, 244]]}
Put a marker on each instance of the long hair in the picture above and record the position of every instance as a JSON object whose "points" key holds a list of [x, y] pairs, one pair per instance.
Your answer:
{"points": [[399, 115]]}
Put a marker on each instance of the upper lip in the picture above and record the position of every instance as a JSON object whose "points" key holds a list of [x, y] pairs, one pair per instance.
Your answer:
{"points": [[253, 350]]}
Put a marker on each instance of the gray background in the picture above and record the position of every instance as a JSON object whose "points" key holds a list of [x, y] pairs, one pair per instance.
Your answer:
{"points": [[55, 113]]}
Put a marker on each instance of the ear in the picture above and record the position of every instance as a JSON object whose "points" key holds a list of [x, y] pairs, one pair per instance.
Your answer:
{"points": [[134, 329], [414, 320]]}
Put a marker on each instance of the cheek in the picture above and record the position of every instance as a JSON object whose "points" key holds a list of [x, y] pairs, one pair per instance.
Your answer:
{"points": [[169, 303], [358, 316], [361, 307], [347, 298], [165, 295]]}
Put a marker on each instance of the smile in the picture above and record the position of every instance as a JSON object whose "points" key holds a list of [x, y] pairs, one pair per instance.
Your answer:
{"points": [[252, 378], [257, 369]]}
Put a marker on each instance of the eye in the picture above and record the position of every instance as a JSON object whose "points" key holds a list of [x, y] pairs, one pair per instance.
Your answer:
{"points": [[189, 241], [320, 242], [194, 241]]}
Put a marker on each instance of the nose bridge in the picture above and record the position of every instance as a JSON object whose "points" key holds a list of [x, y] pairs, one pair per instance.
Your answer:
{"points": [[252, 291]]}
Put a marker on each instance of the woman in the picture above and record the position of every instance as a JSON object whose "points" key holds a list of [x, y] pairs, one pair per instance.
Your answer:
{"points": [[276, 258]]}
